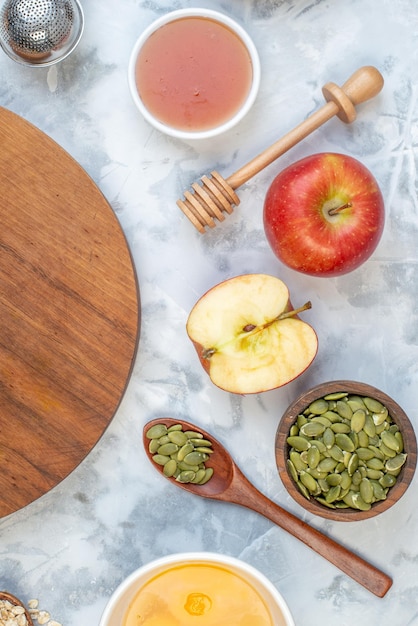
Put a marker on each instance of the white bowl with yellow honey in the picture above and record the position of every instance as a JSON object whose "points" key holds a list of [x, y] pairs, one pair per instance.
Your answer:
{"points": [[196, 589]]}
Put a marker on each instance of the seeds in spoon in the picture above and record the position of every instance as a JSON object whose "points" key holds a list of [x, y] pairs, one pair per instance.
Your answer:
{"points": [[184, 456]]}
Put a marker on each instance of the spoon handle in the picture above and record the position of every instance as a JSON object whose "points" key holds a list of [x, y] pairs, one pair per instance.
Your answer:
{"points": [[367, 575]]}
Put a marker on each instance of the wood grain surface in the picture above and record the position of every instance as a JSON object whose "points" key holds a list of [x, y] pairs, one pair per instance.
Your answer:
{"points": [[69, 313]]}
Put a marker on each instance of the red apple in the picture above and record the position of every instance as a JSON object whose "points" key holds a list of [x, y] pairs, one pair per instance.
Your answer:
{"points": [[248, 337], [324, 214]]}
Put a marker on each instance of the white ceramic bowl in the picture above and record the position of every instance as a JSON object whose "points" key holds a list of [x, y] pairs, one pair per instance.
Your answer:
{"points": [[223, 20], [119, 602]]}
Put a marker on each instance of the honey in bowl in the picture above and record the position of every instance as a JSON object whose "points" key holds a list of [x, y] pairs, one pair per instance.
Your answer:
{"points": [[193, 73], [198, 593]]}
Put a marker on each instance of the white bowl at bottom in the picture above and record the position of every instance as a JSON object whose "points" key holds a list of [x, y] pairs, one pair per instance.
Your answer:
{"points": [[121, 599]]}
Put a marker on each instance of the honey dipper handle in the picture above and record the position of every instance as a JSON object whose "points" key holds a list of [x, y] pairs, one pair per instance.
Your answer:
{"points": [[363, 85]]}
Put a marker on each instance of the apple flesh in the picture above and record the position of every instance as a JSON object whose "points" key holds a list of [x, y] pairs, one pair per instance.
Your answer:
{"points": [[248, 337], [324, 215]]}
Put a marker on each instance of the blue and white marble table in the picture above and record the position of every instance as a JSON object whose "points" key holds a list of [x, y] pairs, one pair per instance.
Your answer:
{"points": [[72, 547]]}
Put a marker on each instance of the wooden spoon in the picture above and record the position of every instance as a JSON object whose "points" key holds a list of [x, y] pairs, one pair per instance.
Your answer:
{"points": [[216, 195], [229, 484], [5, 595]]}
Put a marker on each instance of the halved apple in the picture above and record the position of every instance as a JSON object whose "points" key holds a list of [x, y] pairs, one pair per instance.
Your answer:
{"points": [[248, 337]]}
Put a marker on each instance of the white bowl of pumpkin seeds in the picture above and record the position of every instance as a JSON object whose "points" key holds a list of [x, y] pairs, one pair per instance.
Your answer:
{"points": [[345, 450]]}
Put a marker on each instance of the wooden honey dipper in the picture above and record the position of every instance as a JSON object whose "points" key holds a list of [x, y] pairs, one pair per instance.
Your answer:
{"points": [[216, 195]]}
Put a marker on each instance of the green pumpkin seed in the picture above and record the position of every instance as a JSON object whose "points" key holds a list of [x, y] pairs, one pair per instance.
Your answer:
{"points": [[356, 404], [329, 505], [387, 452], [375, 464], [360, 504], [170, 468], [304, 456], [356, 479], [344, 442], [208, 475], [380, 418], [298, 443], [317, 407], [395, 464], [184, 450], [292, 470], [316, 473], [168, 448], [373, 405], [354, 438], [301, 420], [312, 429], [344, 409], [323, 484], [366, 490], [160, 459], [321, 419], [178, 437], [363, 439], [153, 446], [193, 434], [369, 426], [387, 480], [336, 453], [319, 444], [204, 450], [345, 480], [365, 454], [336, 395], [341, 427], [200, 475], [194, 458], [174, 427], [353, 464], [358, 420], [314, 456], [327, 465], [379, 492], [156, 431], [185, 467], [377, 452], [328, 438], [374, 474], [309, 482], [334, 479], [186, 476], [390, 440], [297, 461], [304, 491], [331, 416], [398, 436], [333, 494], [200, 442]]}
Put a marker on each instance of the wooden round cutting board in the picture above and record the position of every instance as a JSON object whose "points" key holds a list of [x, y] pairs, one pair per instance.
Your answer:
{"points": [[69, 313]]}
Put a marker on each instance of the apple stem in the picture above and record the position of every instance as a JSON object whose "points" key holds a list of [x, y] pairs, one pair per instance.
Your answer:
{"points": [[207, 353], [293, 312], [347, 205]]}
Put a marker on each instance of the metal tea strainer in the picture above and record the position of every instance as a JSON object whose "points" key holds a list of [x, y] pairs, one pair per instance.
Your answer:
{"points": [[40, 32]]}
